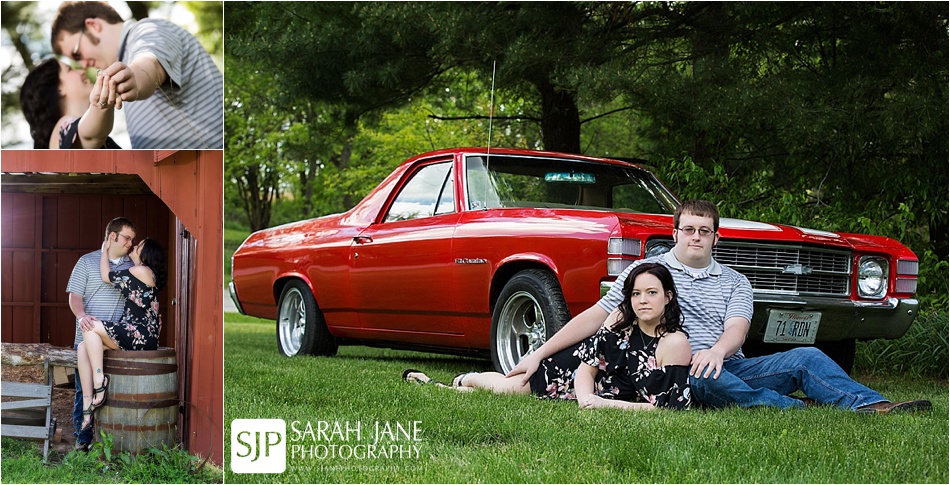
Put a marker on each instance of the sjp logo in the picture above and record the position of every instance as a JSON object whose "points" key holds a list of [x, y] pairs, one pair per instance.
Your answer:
{"points": [[258, 446]]}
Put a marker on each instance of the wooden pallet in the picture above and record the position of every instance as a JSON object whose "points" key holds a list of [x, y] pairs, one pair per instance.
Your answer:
{"points": [[30, 415]]}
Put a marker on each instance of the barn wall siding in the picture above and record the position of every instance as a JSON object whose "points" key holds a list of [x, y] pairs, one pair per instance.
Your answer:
{"points": [[189, 184], [44, 236]]}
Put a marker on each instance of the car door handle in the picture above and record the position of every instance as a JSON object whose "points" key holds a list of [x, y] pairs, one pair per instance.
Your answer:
{"points": [[362, 239]]}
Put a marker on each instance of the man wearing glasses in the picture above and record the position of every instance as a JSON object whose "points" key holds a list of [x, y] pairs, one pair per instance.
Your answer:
{"points": [[173, 89], [92, 299], [717, 308]]}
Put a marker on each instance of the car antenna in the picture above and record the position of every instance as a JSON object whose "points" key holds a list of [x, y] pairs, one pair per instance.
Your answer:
{"points": [[491, 113]]}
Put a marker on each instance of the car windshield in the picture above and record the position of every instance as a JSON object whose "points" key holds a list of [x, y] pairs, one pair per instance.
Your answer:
{"points": [[501, 181]]}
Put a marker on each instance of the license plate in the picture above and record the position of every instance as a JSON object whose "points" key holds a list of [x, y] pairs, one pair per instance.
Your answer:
{"points": [[791, 327]]}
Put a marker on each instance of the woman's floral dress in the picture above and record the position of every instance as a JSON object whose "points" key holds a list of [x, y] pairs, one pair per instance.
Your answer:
{"points": [[627, 370], [69, 136], [141, 324]]}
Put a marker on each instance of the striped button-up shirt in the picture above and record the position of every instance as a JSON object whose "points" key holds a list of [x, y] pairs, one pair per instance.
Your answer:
{"points": [[187, 111], [99, 299]]}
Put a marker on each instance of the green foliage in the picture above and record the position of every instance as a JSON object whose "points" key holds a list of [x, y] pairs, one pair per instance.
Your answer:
{"points": [[824, 115], [789, 115], [232, 239], [210, 25], [295, 161], [105, 445], [89, 463], [479, 437], [165, 465], [756, 198], [23, 463], [922, 351], [24, 29]]}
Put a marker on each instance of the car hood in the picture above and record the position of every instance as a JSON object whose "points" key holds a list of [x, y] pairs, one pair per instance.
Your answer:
{"points": [[751, 231], [294, 233], [634, 224]]}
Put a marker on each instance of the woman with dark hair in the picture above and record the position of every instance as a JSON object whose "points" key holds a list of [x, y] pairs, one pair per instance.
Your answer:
{"points": [[65, 110], [141, 323], [638, 360], [642, 357]]}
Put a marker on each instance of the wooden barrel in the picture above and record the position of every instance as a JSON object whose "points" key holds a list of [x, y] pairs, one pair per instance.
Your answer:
{"points": [[142, 409]]}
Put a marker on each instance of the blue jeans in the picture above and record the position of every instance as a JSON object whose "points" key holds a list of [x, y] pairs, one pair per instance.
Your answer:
{"points": [[86, 436], [766, 381]]}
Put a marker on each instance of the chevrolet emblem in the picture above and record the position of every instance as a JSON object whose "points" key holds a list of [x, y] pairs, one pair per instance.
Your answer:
{"points": [[797, 269]]}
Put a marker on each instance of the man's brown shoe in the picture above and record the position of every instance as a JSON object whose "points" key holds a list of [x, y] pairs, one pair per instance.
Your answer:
{"points": [[887, 407]]}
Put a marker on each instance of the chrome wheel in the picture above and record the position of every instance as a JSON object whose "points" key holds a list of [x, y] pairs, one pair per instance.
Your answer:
{"points": [[521, 329], [291, 322], [529, 309]]}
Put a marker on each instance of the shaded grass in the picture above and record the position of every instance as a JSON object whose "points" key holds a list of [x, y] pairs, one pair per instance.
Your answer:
{"points": [[479, 437]]}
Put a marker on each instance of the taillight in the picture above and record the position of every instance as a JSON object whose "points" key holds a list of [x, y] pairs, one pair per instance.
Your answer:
{"points": [[621, 252]]}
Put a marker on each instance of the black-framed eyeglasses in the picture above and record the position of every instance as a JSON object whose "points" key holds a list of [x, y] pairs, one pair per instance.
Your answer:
{"points": [[75, 55], [689, 231], [127, 238]]}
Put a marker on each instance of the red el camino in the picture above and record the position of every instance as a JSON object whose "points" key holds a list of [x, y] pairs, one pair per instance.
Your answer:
{"points": [[471, 251]]}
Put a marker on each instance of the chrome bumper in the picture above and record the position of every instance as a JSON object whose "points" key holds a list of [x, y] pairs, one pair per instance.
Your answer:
{"points": [[234, 297], [840, 318]]}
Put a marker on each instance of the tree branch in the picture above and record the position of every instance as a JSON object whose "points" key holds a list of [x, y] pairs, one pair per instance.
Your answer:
{"points": [[592, 118], [294, 13], [483, 117]]}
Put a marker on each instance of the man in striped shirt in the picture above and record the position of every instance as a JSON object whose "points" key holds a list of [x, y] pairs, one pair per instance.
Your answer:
{"points": [[174, 91], [717, 308], [92, 299]]}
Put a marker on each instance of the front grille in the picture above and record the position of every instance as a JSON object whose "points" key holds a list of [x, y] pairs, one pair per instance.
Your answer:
{"points": [[789, 269]]}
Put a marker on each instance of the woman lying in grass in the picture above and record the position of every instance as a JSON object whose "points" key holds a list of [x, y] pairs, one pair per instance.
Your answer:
{"points": [[638, 360]]}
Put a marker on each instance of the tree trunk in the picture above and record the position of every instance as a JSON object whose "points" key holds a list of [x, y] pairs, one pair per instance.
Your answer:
{"points": [[21, 48], [257, 187], [710, 49], [938, 238], [560, 118], [307, 177], [345, 156], [343, 161]]}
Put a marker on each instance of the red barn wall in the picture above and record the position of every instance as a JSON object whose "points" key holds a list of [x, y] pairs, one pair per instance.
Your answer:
{"points": [[189, 183], [43, 235]]}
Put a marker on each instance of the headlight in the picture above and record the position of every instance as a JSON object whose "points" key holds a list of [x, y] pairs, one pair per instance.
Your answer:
{"points": [[656, 248], [872, 277]]}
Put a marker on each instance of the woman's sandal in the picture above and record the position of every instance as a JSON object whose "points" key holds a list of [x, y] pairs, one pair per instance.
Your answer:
{"points": [[91, 413], [95, 392], [457, 380], [418, 380]]}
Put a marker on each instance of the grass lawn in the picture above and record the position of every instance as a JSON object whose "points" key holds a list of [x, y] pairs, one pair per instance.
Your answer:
{"points": [[23, 463], [480, 437]]}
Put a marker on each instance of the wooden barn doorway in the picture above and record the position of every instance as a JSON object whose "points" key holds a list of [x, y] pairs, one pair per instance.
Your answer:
{"points": [[49, 221]]}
